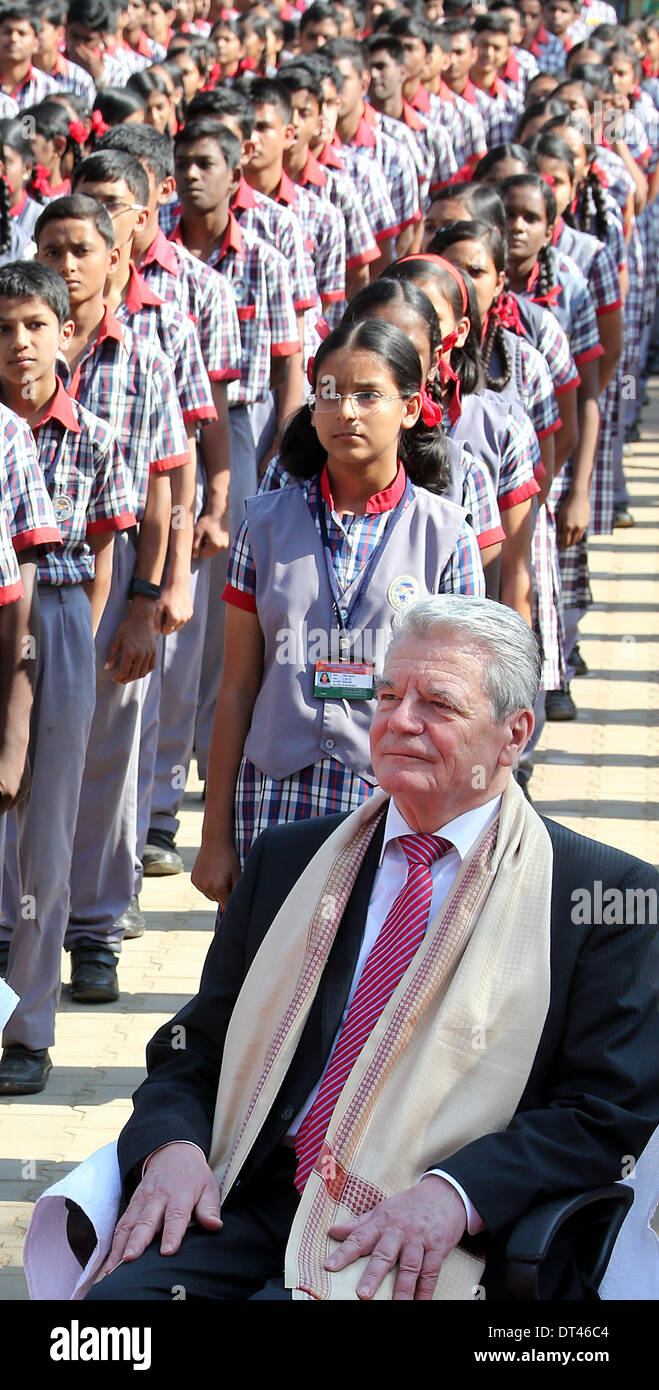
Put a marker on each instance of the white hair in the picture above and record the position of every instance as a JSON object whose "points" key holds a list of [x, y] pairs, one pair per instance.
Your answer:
{"points": [[512, 668]]}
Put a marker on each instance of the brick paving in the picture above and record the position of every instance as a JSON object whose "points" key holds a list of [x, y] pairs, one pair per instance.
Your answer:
{"points": [[597, 775]]}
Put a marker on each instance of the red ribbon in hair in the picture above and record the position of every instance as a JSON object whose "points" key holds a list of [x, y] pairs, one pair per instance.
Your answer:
{"points": [[549, 179], [431, 412], [646, 64], [507, 312], [99, 126], [310, 370], [78, 130], [41, 181]]}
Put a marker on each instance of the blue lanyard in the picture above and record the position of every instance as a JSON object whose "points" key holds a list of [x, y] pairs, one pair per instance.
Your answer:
{"points": [[351, 616]]}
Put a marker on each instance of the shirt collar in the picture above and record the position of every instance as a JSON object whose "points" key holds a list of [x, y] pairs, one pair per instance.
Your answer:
{"points": [[286, 193], [421, 100], [138, 294], [330, 156], [379, 502], [496, 89], [18, 207], [463, 831], [469, 93], [110, 328], [364, 135], [244, 196], [312, 173], [231, 241], [20, 85], [511, 70], [411, 118], [60, 409], [162, 253]]}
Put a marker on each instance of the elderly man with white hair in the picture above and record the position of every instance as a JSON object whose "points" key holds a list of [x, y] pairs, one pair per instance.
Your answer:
{"points": [[409, 1027]]}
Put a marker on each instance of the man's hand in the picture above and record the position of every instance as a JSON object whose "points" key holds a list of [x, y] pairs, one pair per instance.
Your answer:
{"points": [[211, 534], [174, 607], [416, 1229], [177, 1185], [133, 646]]}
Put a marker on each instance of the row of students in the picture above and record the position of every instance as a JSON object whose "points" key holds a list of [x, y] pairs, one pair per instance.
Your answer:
{"points": [[509, 463]]}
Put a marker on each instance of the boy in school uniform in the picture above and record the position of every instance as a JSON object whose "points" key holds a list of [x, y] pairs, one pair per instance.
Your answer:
{"points": [[20, 81], [207, 170], [129, 383], [28, 530], [84, 472]]}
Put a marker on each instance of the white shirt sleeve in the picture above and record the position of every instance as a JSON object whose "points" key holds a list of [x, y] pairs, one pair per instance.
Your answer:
{"points": [[474, 1222]]}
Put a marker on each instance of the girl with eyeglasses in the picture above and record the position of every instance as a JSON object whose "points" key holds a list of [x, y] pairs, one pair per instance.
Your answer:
{"points": [[315, 576]]}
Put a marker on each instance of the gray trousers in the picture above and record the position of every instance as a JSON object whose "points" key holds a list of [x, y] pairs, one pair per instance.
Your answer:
{"points": [[102, 873], [40, 831], [168, 719], [243, 485]]}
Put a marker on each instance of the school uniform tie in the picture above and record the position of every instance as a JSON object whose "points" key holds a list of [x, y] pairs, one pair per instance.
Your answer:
{"points": [[399, 937]]}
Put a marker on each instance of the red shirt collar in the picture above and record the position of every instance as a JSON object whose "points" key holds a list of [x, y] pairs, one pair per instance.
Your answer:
{"points": [[469, 93], [60, 409], [18, 207], [558, 228], [60, 66], [541, 37], [312, 174], [286, 193], [231, 241], [497, 88], [19, 88], [244, 196], [511, 70], [364, 135], [138, 294], [110, 328], [144, 46], [330, 156], [60, 190], [421, 100], [411, 118], [380, 501], [161, 253]]}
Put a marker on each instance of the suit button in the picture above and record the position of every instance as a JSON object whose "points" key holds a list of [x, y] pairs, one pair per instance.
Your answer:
{"points": [[287, 1114], [329, 744]]}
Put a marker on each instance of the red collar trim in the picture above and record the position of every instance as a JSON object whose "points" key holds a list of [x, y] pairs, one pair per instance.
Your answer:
{"points": [[330, 157], [60, 409], [60, 66], [138, 295], [161, 253], [511, 70], [244, 196], [411, 118], [312, 174], [12, 91], [369, 114], [144, 46], [110, 328], [469, 93], [380, 501], [364, 135], [60, 190], [497, 88], [445, 93], [231, 241], [421, 100], [18, 207], [286, 193], [558, 230]]}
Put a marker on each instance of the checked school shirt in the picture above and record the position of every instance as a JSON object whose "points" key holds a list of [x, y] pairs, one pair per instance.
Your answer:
{"points": [[180, 278], [153, 320]]}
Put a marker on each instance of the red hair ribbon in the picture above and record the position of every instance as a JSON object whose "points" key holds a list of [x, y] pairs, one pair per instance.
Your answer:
{"points": [[431, 412], [550, 298], [449, 377], [99, 125], [78, 130], [646, 64], [41, 181], [445, 265], [507, 312], [549, 179], [310, 370]]}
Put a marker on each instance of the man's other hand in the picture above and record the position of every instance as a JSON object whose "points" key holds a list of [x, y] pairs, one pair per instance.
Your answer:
{"points": [[177, 1186], [415, 1230]]}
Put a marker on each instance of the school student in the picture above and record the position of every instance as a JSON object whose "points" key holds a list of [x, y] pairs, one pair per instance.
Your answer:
{"points": [[130, 384], [359, 530], [90, 491], [21, 83]]}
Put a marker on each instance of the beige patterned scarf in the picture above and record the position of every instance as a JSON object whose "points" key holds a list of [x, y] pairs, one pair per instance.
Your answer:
{"points": [[447, 1061]]}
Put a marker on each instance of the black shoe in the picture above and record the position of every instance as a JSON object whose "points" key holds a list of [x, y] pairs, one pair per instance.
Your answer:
{"points": [[93, 974], [622, 517], [160, 855], [132, 920], [576, 662], [633, 434], [4, 958], [560, 705], [23, 1072]]}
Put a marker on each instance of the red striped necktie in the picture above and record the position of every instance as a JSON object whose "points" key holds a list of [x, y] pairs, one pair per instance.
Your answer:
{"points": [[399, 937]]}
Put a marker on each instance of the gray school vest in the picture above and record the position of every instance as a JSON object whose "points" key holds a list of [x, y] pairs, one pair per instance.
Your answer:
{"points": [[483, 426], [290, 729]]}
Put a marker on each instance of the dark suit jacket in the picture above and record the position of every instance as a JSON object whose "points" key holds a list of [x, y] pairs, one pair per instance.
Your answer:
{"points": [[591, 1097]]}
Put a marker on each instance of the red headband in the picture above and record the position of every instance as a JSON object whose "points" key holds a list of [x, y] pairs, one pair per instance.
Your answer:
{"points": [[445, 265]]}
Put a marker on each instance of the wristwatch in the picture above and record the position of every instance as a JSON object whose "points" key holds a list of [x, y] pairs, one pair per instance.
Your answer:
{"points": [[144, 588]]}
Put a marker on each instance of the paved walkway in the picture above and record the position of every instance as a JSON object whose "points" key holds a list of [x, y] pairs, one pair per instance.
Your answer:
{"points": [[597, 775]]}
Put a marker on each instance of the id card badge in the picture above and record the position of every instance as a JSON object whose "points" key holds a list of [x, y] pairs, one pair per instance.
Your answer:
{"points": [[343, 680]]}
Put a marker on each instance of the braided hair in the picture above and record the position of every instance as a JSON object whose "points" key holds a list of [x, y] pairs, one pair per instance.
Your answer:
{"points": [[494, 243], [5, 218], [546, 279], [52, 120], [590, 213], [422, 449], [465, 360]]}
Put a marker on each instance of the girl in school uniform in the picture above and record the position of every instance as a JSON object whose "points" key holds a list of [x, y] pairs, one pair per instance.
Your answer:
{"points": [[316, 573]]}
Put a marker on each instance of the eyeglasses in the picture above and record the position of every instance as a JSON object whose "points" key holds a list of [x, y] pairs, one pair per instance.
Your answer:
{"points": [[363, 402], [115, 207]]}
